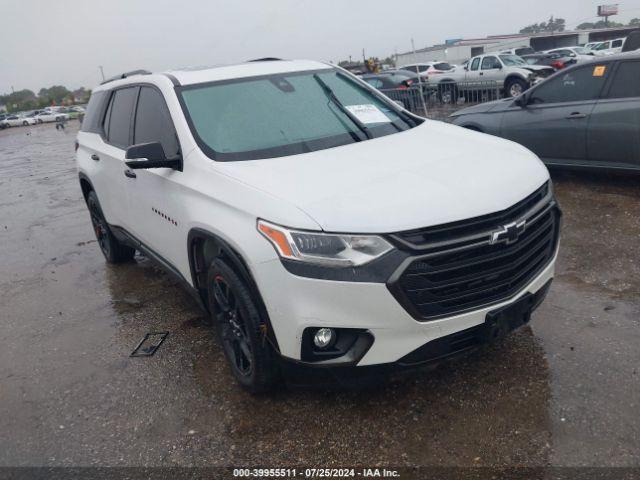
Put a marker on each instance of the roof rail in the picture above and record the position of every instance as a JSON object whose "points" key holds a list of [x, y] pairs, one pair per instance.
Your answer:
{"points": [[266, 59], [126, 75]]}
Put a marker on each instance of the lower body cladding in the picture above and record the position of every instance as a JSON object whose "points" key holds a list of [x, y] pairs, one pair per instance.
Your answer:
{"points": [[381, 332]]}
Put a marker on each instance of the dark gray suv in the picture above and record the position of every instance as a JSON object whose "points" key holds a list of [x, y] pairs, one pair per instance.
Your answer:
{"points": [[586, 116]]}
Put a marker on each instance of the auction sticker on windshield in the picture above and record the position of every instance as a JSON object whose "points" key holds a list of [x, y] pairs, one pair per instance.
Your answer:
{"points": [[368, 113]]}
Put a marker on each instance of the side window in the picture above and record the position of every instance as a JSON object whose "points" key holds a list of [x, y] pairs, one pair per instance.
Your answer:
{"points": [[475, 63], [616, 44], [374, 82], [153, 122], [574, 86], [625, 83], [91, 122], [489, 63], [119, 116]]}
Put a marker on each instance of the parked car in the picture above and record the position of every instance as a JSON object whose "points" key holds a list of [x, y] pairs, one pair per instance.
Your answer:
{"points": [[396, 84], [249, 183], [519, 51], [429, 69], [555, 60], [508, 73], [609, 47], [580, 54], [51, 116], [632, 42], [591, 45], [18, 121], [584, 116]]}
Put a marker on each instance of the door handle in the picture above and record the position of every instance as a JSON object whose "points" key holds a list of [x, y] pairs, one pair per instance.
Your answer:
{"points": [[95, 157], [576, 115], [481, 73], [130, 174]]}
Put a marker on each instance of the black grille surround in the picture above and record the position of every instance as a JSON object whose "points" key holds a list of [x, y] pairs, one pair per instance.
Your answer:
{"points": [[472, 264]]}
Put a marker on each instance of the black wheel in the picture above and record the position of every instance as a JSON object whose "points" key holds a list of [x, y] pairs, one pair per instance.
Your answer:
{"points": [[25, 123], [112, 249], [238, 323], [515, 87]]}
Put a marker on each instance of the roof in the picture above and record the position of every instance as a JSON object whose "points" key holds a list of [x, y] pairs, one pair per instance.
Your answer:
{"points": [[189, 76], [212, 73]]}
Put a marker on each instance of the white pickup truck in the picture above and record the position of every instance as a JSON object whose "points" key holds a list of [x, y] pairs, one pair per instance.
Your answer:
{"points": [[506, 73]]}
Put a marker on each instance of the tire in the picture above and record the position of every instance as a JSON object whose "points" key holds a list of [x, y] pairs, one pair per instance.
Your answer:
{"points": [[448, 93], [238, 322], [25, 124], [39, 120], [112, 249], [515, 87]]}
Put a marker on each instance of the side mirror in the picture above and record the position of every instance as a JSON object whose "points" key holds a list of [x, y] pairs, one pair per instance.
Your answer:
{"points": [[149, 155], [522, 101]]}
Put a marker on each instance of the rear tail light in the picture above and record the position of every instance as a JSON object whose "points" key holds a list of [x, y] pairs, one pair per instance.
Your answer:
{"points": [[557, 64], [402, 87]]}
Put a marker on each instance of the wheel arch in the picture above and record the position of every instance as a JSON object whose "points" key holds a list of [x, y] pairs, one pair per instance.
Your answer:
{"points": [[85, 185], [514, 76], [203, 247]]}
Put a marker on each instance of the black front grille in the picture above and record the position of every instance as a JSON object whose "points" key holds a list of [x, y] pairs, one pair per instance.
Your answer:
{"points": [[460, 269]]}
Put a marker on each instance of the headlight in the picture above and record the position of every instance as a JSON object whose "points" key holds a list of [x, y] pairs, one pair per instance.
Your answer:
{"points": [[338, 250]]}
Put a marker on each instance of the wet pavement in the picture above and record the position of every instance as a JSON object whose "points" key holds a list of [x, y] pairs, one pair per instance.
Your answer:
{"points": [[564, 391]]}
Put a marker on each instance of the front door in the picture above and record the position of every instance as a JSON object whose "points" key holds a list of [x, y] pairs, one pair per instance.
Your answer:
{"points": [[614, 129], [155, 195], [554, 123]]}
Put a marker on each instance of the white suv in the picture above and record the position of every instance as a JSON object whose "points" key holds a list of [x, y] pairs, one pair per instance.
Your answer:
{"points": [[320, 224]]}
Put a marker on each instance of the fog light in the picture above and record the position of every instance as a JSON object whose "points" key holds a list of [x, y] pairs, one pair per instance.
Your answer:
{"points": [[323, 337]]}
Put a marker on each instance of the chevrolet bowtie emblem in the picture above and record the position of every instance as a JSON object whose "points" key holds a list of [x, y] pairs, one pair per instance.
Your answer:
{"points": [[508, 233]]}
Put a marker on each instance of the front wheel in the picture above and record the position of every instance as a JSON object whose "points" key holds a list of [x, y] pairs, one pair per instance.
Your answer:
{"points": [[25, 123], [239, 325], [515, 87]]}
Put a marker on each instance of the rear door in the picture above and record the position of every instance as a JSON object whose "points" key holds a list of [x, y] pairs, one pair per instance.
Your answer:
{"points": [[108, 157], [554, 123], [614, 129], [155, 195]]}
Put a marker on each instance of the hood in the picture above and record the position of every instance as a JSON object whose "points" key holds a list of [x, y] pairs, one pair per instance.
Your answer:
{"points": [[432, 174], [539, 68]]}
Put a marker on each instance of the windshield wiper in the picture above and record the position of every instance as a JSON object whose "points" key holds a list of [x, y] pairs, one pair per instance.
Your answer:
{"points": [[332, 96]]}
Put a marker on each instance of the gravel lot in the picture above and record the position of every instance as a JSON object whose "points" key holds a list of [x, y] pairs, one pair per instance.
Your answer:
{"points": [[564, 391]]}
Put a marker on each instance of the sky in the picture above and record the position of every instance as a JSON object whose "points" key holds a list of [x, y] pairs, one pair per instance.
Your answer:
{"points": [[63, 42]]}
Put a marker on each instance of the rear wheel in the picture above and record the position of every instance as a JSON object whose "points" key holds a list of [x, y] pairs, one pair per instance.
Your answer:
{"points": [[448, 93], [25, 123], [112, 249], [239, 327]]}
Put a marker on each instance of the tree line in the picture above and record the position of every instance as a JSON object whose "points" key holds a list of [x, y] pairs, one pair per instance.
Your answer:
{"points": [[56, 95], [559, 25]]}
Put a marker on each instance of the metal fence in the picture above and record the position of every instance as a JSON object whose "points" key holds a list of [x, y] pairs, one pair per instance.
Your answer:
{"points": [[441, 100]]}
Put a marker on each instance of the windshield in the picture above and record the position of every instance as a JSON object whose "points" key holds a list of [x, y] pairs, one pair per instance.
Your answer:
{"points": [[582, 51], [602, 46], [286, 114], [512, 60]]}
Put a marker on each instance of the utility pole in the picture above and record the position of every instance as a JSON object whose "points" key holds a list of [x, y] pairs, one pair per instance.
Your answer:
{"points": [[101, 72], [415, 59]]}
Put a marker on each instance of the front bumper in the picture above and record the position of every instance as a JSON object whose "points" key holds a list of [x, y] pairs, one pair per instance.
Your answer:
{"points": [[295, 303]]}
